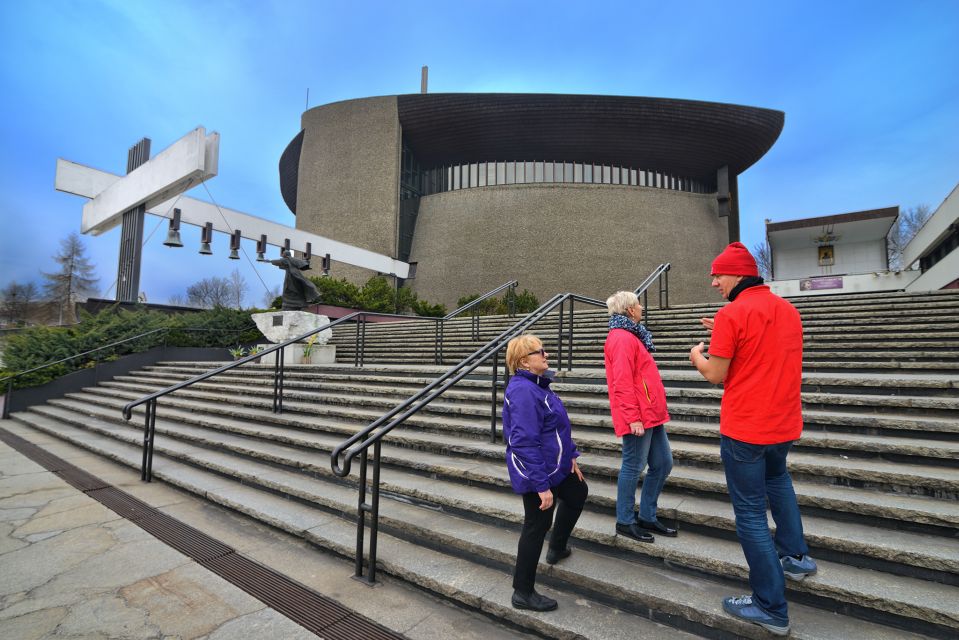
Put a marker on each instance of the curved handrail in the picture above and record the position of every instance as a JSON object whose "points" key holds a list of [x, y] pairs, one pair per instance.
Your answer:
{"points": [[472, 303], [85, 353], [375, 431], [128, 407], [360, 315], [658, 271]]}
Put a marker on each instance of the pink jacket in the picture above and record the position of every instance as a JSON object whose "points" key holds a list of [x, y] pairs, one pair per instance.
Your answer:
{"points": [[636, 391]]}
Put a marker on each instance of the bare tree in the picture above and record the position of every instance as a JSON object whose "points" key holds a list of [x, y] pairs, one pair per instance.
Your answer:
{"points": [[270, 295], [903, 230], [210, 292], [176, 300], [764, 259], [238, 288], [15, 300], [75, 280]]}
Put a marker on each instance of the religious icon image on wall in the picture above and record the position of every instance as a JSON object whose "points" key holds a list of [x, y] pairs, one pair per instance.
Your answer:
{"points": [[826, 256]]}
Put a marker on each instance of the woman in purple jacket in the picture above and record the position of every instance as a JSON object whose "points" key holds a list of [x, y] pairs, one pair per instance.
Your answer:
{"points": [[541, 458]]}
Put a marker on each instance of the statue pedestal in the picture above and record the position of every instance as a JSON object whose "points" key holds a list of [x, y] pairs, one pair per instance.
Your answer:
{"points": [[280, 326], [293, 354]]}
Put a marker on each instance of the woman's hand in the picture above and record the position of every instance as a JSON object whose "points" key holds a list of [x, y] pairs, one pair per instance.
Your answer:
{"points": [[575, 469], [546, 500], [636, 428]]}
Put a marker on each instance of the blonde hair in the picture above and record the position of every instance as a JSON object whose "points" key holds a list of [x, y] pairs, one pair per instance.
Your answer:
{"points": [[620, 301], [519, 348]]}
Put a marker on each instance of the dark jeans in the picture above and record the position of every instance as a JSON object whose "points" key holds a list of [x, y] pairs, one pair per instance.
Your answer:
{"points": [[756, 474], [570, 495]]}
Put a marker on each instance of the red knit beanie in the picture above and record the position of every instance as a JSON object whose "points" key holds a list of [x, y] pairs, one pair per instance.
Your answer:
{"points": [[735, 260]]}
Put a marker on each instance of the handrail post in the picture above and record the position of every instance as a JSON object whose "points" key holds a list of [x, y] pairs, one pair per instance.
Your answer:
{"points": [[666, 286], [374, 510], [149, 431], [492, 417], [512, 300], [361, 517], [559, 337], [281, 357], [363, 341], [8, 399], [356, 343], [569, 341], [276, 380], [474, 324]]}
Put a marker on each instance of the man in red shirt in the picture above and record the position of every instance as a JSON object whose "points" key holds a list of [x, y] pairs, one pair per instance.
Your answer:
{"points": [[756, 351]]}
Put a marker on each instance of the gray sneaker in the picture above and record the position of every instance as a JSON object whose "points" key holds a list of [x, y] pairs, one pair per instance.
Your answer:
{"points": [[798, 569]]}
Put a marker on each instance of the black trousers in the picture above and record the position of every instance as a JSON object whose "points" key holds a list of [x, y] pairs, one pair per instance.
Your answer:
{"points": [[569, 496]]}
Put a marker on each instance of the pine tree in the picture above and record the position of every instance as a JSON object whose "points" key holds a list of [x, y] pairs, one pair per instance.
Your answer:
{"points": [[75, 280]]}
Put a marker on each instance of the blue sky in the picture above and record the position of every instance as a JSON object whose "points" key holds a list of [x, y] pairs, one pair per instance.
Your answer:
{"points": [[870, 91]]}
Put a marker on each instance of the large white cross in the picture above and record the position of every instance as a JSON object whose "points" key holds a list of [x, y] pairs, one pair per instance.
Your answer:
{"points": [[183, 165]]}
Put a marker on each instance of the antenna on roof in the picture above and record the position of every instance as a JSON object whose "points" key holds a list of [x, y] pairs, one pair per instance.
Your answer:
{"points": [[307, 99], [424, 78]]}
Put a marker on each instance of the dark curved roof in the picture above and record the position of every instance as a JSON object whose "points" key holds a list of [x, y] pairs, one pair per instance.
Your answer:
{"points": [[290, 171], [683, 137]]}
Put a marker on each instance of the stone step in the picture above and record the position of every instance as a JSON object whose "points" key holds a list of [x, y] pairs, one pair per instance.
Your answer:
{"points": [[895, 510], [484, 587], [880, 383], [915, 603], [910, 550], [592, 398], [588, 412]]}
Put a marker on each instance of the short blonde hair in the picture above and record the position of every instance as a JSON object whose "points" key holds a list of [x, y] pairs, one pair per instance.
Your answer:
{"points": [[519, 348], [620, 301]]}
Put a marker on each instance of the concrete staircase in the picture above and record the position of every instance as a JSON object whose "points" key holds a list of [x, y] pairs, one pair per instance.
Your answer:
{"points": [[876, 472]]}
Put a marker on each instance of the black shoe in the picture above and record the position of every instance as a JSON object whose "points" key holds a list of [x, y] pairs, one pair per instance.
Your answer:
{"points": [[658, 527], [633, 531], [555, 555], [533, 601]]}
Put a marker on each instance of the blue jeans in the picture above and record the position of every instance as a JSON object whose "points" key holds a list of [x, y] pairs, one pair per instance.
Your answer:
{"points": [[652, 447], [755, 474]]}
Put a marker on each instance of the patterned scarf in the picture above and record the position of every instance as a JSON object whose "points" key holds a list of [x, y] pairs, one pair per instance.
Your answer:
{"points": [[619, 321]]}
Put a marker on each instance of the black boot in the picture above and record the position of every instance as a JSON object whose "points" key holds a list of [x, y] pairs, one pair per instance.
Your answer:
{"points": [[555, 555], [633, 531], [657, 527], [533, 601]]}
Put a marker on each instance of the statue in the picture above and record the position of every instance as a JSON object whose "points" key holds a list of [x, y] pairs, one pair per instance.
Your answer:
{"points": [[298, 290]]}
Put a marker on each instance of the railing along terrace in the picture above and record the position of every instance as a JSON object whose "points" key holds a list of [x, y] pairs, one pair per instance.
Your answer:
{"points": [[341, 459], [97, 357], [279, 366]]}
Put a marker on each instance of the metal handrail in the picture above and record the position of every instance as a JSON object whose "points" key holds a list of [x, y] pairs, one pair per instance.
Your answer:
{"points": [[373, 434], [341, 458], [472, 303], [9, 379], [150, 400], [660, 273]]}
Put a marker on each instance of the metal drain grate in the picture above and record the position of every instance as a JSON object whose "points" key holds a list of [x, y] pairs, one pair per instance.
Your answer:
{"points": [[299, 603]]}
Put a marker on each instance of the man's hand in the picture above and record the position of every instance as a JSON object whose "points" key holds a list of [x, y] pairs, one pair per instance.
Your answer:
{"points": [[697, 352], [575, 469], [708, 323], [714, 368], [545, 500], [636, 428]]}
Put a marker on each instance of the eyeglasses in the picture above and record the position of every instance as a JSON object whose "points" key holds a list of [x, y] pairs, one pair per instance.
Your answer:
{"points": [[541, 352]]}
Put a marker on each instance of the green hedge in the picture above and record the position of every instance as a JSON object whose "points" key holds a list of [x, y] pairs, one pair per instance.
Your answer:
{"points": [[525, 302], [376, 295], [39, 345]]}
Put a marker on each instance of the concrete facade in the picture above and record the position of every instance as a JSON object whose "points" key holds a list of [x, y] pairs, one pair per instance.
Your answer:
{"points": [[349, 176], [589, 236], [584, 238]]}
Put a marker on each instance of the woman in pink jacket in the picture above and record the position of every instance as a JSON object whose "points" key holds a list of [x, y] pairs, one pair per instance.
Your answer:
{"points": [[637, 402]]}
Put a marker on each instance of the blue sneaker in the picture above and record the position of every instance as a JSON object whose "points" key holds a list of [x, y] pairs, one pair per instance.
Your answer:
{"points": [[744, 609], [798, 569]]}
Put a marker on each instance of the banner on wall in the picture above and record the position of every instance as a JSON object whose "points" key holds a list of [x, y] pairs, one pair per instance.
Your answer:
{"points": [[817, 284]]}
